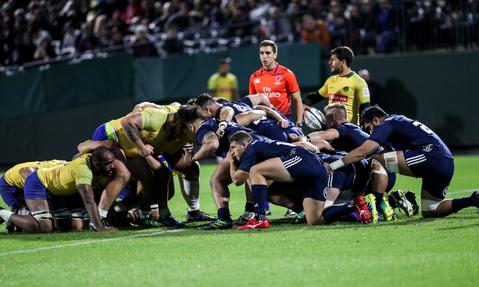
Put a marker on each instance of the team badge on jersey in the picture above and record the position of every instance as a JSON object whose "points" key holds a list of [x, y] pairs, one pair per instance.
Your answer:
{"points": [[278, 80], [346, 89]]}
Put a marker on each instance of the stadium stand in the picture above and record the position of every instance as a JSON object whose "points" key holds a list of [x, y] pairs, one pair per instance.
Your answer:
{"points": [[36, 32]]}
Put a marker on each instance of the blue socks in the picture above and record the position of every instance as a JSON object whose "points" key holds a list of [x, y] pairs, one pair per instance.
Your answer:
{"points": [[260, 193]]}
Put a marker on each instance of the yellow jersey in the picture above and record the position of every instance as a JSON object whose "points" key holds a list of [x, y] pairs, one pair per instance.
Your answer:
{"points": [[13, 177], [350, 90], [154, 132], [223, 86], [63, 180]]}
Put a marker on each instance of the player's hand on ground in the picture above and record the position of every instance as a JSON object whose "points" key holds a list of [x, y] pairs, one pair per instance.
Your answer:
{"points": [[109, 229]]}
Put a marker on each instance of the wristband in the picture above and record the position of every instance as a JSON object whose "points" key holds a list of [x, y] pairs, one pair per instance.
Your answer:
{"points": [[223, 124], [337, 164]]}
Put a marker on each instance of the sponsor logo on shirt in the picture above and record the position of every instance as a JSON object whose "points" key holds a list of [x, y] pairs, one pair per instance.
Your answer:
{"points": [[257, 81], [338, 98], [267, 91], [365, 92]]}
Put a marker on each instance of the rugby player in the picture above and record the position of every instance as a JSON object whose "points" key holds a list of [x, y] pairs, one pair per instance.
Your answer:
{"points": [[260, 161], [277, 82], [418, 152], [79, 176], [345, 86]]}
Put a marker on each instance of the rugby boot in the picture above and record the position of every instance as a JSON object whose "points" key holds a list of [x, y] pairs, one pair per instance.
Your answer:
{"points": [[411, 197], [362, 209], [219, 224], [198, 215], [371, 202], [401, 202], [171, 222], [255, 224], [385, 209]]}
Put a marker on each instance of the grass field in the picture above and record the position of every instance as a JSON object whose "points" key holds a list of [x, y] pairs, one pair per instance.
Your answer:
{"points": [[406, 252]]}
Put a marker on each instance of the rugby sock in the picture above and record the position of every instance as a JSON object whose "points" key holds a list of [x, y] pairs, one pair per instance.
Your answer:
{"points": [[260, 193], [5, 214], [224, 213], [266, 205], [379, 197], [249, 206], [103, 213], [335, 212], [460, 203], [192, 191]]}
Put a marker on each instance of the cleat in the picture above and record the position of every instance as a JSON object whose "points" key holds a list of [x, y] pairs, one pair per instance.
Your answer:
{"points": [[362, 210], [1, 219], [171, 222], [401, 202], [244, 218], [219, 224], [385, 210], [371, 202], [411, 197], [475, 198], [300, 218], [148, 223], [290, 214], [198, 215], [255, 224], [268, 212]]}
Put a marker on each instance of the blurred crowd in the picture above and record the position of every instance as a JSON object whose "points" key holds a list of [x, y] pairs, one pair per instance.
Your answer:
{"points": [[39, 30]]}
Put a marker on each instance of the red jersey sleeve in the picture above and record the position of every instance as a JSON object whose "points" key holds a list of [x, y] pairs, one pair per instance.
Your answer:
{"points": [[291, 82]]}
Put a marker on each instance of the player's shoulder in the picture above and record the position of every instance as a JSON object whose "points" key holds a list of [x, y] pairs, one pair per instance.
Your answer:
{"points": [[214, 76], [357, 78], [257, 73]]}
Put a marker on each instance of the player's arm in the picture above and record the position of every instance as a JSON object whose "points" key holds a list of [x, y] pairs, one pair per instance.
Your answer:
{"points": [[238, 176], [132, 125], [139, 107], [89, 145], [327, 135], [363, 96], [356, 155], [26, 171], [272, 114], [208, 147], [259, 99], [298, 105], [226, 115], [249, 117], [86, 193], [318, 95], [322, 144], [307, 145]]}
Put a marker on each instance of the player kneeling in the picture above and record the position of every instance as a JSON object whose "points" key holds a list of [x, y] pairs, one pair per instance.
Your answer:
{"points": [[263, 161]]}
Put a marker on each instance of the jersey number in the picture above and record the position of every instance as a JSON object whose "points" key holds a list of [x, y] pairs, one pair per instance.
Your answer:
{"points": [[423, 127]]}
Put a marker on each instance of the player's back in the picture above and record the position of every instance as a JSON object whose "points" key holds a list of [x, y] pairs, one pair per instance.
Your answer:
{"points": [[403, 133], [350, 137]]}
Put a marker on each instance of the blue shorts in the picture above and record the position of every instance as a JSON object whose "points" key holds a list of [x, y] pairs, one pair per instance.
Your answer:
{"points": [[342, 178], [308, 172], [105, 132], [11, 195], [34, 188], [435, 169], [273, 131]]}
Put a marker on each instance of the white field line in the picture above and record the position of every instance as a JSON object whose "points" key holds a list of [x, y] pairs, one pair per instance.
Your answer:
{"points": [[88, 242], [462, 191]]}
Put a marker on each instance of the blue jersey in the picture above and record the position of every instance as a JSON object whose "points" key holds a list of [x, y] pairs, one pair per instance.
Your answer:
{"points": [[258, 151], [350, 137], [211, 125], [402, 133]]}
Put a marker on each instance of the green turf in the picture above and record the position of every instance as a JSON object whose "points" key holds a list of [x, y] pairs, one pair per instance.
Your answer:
{"points": [[406, 252]]}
